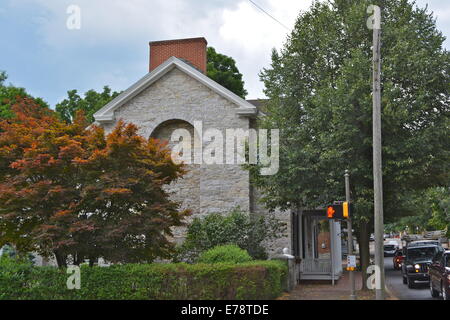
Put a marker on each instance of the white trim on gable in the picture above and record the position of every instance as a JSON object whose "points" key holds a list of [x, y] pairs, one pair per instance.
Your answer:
{"points": [[106, 114]]}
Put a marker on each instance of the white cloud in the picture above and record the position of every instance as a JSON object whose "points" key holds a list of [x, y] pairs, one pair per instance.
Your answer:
{"points": [[234, 27], [250, 28], [249, 35]]}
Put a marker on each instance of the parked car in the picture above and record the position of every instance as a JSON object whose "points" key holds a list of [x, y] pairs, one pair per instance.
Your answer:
{"points": [[416, 263], [398, 259], [390, 249], [440, 275]]}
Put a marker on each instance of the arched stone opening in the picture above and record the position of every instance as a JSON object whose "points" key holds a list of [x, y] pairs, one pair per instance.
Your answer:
{"points": [[186, 190]]}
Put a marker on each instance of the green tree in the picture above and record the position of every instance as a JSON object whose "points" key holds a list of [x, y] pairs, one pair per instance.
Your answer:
{"points": [[319, 86], [431, 212], [9, 95], [439, 205], [223, 70], [90, 104]]}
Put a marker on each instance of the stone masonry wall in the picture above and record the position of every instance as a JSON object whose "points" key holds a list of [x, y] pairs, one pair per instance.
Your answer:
{"points": [[176, 96]]}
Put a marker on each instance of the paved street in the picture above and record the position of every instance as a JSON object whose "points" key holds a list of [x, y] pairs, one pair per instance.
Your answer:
{"points": [[398, 289], [323, 290]]}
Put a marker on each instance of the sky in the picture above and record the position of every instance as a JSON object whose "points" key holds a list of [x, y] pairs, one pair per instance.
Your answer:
{"points": [[40, 53]]}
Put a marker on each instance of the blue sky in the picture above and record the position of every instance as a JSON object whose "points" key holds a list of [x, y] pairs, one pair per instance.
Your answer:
{"points": [[41, 54]]}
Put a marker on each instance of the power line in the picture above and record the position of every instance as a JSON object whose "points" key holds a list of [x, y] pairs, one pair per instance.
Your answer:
{"points": [[257, 6]]}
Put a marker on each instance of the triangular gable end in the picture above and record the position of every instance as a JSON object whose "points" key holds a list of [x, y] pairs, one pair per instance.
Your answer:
{"points": [[106, 114]]}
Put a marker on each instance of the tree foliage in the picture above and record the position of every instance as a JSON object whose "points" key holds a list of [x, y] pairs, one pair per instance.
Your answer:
{"points": [[439, 206], [71, 191], [89, 104], [431, 212], [319, 87], [9, 94], [223, 70]]}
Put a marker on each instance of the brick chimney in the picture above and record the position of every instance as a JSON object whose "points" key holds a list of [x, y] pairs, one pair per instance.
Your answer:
{"points": [[192, 51]]}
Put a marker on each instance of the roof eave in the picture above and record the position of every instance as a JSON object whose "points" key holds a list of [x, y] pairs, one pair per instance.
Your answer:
{"points": [[247, 112]]}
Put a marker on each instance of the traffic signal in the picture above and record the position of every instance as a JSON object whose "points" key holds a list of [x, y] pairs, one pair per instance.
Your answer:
{"points": [[338, 211], [345, 209], [331, 212]]}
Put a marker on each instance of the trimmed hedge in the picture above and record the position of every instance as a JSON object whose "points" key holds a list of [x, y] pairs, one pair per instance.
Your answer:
{"points": [[228, 253], [258, 280]]}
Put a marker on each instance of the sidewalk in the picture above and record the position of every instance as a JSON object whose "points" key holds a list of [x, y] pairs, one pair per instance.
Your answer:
{"points": [[324, 290]]}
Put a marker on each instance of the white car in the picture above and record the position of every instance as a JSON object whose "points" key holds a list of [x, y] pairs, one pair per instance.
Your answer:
{"points": [[390, 249]]}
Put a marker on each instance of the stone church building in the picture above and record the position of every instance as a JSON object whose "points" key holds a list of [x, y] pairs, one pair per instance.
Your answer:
{"points": [[177, 94]]}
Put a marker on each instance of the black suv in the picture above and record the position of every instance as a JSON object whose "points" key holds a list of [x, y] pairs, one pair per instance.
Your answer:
{"points": [[416, 264]]}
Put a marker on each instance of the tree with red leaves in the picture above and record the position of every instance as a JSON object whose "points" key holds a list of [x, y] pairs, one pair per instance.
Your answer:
{"points": [[75, 193]]}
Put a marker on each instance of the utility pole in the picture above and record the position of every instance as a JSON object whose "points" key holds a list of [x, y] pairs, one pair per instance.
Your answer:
{"points": [[350, 235], [377, 161]]}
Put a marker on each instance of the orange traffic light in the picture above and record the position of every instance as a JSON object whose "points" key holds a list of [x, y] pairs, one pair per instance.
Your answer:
{"points": [[339, 210], [330, 212], [345, 213]]}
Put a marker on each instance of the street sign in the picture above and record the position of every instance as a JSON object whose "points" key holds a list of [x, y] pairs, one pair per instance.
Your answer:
{"points": [[351, 262]]}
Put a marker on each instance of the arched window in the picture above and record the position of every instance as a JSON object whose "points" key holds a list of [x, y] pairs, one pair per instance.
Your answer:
{"points": [[183, 133]]}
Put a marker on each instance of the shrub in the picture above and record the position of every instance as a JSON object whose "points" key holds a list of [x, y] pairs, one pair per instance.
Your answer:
{"points": [[247, 231], [221, 281], [227, 253], [13, 275]]}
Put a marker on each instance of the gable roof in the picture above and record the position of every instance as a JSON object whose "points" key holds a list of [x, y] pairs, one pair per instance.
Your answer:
{"points": [[106, 114]]}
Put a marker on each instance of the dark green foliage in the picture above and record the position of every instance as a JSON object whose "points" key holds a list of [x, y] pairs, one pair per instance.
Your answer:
{"points": [[247, 231], [223, 70], [320, 86], [9, 95], [252, 280], [14, 273], [90, 104], [432, 212], [227, 253]]}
